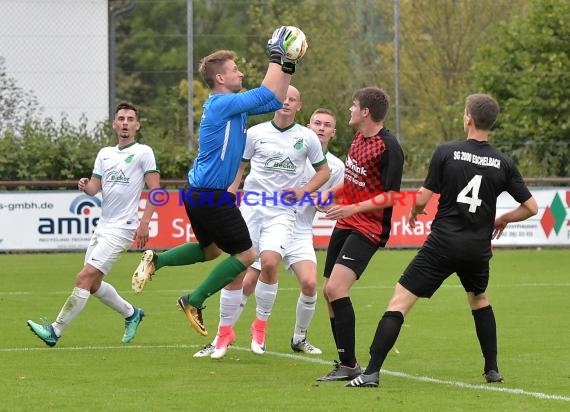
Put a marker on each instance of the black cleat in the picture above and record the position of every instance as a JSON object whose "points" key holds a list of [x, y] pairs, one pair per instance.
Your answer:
{"points": [[493, 376], [365, 381], [341, 372]]}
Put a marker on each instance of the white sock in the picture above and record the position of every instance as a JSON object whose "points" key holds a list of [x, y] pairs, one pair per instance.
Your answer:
{"points": [[230, 309], [305, 312], [71, 308], [265, 296], [109, 296], [241, 308], [230, 301]]}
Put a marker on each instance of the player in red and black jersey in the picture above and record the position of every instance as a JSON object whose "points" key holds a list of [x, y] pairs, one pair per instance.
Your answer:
{"points": [[469, 176], [373, 174]]}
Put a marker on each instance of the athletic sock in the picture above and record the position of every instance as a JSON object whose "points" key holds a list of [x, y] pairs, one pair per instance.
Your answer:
{"points": [[237, 315], [223, 274], [265, 295], [333, 330], [386, 334], [304, 315], [486, 329], [71, 308], [109, 296], [344, 323], [230, 302], [185, 254]]}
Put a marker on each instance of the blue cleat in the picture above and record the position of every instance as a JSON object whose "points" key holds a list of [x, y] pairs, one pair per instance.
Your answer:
{"points": [[132, 325], [45, 332]]}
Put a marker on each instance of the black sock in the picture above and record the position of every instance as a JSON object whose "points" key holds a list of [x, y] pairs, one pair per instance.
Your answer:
{"points": [[486, 329], [333, 329], [386, 334], [344, 325]]}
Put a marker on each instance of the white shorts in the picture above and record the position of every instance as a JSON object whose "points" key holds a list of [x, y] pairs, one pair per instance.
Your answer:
{"points": [[268, 231], [105, 246], [297, 250]]}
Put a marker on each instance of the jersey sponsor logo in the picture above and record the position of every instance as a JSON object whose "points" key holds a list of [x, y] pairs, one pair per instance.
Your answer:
{"points": [[277, 163], [117, 177], [353, 165]]}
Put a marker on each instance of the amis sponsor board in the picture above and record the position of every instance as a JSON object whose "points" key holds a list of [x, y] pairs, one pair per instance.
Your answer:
{"points": [[47, 220]]}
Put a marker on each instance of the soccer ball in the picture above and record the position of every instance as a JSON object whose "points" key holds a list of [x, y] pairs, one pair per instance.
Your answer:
{"points": [[298, 47]]}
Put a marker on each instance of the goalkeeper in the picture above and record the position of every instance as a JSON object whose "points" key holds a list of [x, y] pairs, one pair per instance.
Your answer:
{"points": [[217, 223]]}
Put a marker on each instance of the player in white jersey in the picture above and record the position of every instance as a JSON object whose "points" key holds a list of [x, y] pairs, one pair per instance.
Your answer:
{"points": [[299, 257], [120, 173], [277, 152]]}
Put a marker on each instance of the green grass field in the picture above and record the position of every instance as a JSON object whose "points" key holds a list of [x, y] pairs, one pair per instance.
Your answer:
{"points": [[437, 365]]}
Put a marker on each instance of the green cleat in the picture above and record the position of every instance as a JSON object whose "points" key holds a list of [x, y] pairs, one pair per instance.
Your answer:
{"points": [[132, 325], [45, 332]]}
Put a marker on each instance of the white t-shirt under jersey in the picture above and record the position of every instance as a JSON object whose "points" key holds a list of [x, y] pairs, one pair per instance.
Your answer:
{"points": [[278, 159], [306, 212], [122, 174]]}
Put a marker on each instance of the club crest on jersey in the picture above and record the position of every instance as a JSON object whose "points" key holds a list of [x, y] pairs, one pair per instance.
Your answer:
{"points": [[129, 159], [277, 163], [298, 144]]}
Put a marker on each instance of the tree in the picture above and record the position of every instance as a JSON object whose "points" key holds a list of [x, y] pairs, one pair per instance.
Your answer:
{"points": [[526, 69], [340, 58], [46, 150], [17, 106], [439, 40]]}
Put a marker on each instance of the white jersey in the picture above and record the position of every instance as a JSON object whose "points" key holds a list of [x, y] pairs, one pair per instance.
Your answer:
{"points": [[122, 174], [278, 159], [306, 212]]}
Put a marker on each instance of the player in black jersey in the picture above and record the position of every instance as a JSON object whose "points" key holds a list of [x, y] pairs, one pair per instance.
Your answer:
{"points": [[469, 176]]}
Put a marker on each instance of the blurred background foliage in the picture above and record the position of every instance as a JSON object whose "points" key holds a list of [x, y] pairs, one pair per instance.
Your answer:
{"points": [[516, 50]]}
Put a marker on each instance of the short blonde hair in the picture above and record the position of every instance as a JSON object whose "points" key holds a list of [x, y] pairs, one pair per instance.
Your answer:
{"points": [[211, 65]]}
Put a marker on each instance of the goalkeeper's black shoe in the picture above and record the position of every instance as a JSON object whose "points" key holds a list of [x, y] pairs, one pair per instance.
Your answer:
{"points": [[193, 314], [493, 376], [365, 381]]}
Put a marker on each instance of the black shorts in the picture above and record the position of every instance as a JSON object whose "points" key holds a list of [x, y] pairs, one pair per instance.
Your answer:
{"points": [[349, 248], [215, 218], [427, 271]]}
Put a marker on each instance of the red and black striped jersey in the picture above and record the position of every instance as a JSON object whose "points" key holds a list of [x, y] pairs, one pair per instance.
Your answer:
{"points": [[373, 165]]}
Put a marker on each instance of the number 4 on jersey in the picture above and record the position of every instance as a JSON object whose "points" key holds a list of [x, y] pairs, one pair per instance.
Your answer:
{"points": [[473, 187]]}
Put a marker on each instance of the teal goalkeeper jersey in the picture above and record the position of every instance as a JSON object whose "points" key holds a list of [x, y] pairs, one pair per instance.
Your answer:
{"points": [[222, 135]]}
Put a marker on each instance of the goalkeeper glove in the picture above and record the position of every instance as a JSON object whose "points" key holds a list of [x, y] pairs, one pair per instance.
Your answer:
{"points": [[278, 43]]}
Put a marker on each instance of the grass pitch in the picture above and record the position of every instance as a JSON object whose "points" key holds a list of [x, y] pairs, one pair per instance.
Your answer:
{"points": [[436, 364]]}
